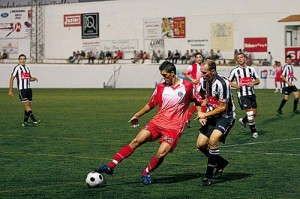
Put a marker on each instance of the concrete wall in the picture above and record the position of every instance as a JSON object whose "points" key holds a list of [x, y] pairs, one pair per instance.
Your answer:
{"points": [[123, 19], [125, 76]]}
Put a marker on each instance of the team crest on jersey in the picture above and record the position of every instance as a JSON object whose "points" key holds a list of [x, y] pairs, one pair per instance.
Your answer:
{"points": [[168, 139], [180, 94]]}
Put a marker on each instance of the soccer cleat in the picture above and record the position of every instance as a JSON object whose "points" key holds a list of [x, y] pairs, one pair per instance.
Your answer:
{"points": [[105, 169], [146, 179], [36, 122], [296, 111], [188, 124], [220, 168], [255, 135], [26, 124], [206, 181], [279, 112], [243, 125]]}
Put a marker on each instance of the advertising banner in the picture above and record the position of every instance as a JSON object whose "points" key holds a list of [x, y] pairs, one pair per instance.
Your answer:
{"points": [[72, 20], [259, 44], [126, 46], [222, 36], [90, 25], [15, 23], [167, 27], [294, 52], [173, 27]]}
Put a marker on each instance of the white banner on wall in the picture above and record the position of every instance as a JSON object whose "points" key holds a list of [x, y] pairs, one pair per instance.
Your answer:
{"points": [[126, 46], [199, 44], [9, 47], [91, 45], [154, 44], [222, 36], [152, 28], [15, 23]]}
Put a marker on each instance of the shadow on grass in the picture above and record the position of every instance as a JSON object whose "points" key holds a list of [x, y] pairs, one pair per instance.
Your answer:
{"points": [[232, 177], [185, 177], [190, 176], [177, 178]]}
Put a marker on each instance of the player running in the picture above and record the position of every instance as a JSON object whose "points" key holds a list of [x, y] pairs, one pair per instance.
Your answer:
{"points": [[216, 121]]}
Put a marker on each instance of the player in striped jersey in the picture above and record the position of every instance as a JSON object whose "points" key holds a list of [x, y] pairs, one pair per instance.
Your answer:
{"points": [[217, 121], [22, 73], [245, 78], [288, 80]]}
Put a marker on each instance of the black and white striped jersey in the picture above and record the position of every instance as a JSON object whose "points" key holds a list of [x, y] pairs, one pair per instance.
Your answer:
{"points": [[288, 73], [22, 74], [242, 76], [218, 90]]}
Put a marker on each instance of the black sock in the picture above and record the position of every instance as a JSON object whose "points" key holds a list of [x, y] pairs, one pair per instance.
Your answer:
{"points": [[252, 127], [204, 151], [31, 116], [282, 104], [245, 119], [26, 116], [212, 162], [296, 103]]}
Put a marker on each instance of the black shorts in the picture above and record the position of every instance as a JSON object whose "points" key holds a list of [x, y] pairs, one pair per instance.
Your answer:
{"points": [[25, 95], [247, 102], [288, 90], [222, 124]]}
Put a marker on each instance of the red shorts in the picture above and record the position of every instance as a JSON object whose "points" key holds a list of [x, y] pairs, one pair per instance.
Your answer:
{"points": [[166, 135], [277, 78]]}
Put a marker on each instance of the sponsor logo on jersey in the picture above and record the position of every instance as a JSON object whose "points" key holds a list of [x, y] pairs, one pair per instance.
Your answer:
{"points": [[168, 139], [25, 75]]}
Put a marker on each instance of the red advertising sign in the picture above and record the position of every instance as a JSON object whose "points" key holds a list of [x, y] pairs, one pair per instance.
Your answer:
{"points": [[179, 27], [72, 20], [294, 52], [173, 27], [258, 44]]}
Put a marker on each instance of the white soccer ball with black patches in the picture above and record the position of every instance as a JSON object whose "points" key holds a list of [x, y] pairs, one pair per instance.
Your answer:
{"points": [[94, 179]]}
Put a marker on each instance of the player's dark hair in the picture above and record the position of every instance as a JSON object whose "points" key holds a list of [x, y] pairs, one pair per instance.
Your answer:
{"points": [[22, 55], [198, 53], [241, 53], [167, 66], [288, 56]]}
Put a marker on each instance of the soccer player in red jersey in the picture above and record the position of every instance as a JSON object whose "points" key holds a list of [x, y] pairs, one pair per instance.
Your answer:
{"points": [[193, 73], [172, 97], [278, 70]]}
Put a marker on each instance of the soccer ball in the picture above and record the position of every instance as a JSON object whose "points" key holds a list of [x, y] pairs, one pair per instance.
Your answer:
{"points": [[94, 179]]}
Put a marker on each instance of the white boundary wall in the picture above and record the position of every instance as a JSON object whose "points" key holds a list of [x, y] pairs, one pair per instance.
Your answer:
{"points": [[123, 20], [129, 76]]}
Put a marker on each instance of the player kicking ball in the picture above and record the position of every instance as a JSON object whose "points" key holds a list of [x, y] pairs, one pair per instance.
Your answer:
{"points": [[172, 97]]}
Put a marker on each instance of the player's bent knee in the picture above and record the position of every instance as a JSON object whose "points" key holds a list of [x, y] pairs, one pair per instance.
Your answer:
{"points": [[250, 115]]}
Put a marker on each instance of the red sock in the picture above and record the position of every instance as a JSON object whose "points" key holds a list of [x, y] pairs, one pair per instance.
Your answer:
{"points": [[191, 111], [124, 153], [154, 163]]}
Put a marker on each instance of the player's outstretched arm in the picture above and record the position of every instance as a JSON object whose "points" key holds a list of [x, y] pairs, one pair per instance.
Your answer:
{"points": [[134, 121]]}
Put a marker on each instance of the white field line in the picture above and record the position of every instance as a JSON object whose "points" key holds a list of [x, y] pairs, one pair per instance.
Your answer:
{"points": [[255, 143]]}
